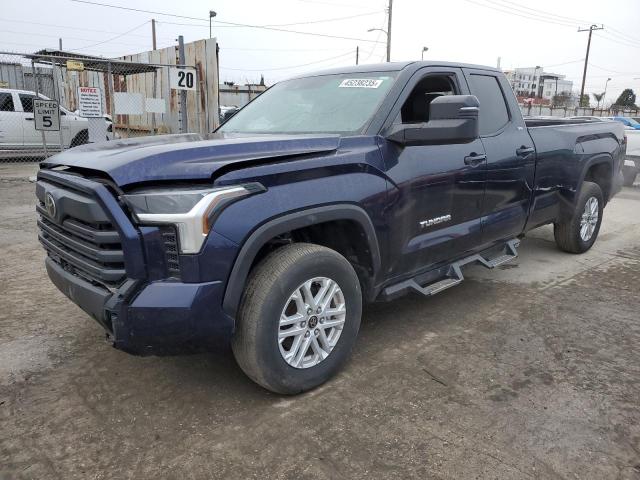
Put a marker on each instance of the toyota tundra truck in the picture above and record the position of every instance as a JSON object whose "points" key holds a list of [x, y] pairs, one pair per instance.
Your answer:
{"points": [[326, 192]]}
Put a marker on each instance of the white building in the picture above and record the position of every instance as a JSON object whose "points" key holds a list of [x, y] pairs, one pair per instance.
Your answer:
{"points": [[556, 86], [534, 82]]}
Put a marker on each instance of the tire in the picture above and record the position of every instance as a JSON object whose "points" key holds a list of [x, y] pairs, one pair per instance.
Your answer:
{"points": [[569, 234], [268, 295], [629, 175], [81, 138]]}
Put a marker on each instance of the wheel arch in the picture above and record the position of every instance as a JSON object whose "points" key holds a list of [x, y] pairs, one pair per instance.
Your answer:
{"points": [[292, 222], [598, 169]]}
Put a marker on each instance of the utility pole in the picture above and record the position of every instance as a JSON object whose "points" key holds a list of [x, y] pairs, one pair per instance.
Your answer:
{"points": [[586, 58], [357, 54], [389, 31], [183, 93], [153, 33], [60, 44]]}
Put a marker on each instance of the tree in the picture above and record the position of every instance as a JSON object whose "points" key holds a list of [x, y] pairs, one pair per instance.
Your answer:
{"points": [[598, 98], [584, 101], [627, 99], [563, 99]]}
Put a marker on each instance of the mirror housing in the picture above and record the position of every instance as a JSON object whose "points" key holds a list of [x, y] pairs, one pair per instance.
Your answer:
{"points": [[452, 119]]}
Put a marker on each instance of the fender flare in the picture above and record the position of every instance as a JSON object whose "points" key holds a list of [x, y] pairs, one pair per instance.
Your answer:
{"points": [[293, 221], [570, 196], [603, 158]]}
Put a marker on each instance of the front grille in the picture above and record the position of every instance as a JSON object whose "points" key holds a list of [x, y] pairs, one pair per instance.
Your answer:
{"points": [[80, 237]]}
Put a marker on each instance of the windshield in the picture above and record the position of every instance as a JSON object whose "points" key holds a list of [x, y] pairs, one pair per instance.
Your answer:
{"points": [[342, 103]]}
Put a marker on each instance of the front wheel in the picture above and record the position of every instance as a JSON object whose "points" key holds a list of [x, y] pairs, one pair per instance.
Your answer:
{"points": [[299, 318], [578, 233]]}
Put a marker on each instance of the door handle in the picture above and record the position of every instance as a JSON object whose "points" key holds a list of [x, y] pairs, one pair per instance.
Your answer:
{"points": [[524, 151], [474, 159], [29, 118]]}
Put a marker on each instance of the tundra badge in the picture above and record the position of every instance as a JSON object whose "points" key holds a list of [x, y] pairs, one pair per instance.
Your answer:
{"points": [[435, 221]]}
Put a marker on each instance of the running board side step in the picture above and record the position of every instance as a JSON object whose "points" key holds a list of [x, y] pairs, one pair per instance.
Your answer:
{"points": [[453, 275]]}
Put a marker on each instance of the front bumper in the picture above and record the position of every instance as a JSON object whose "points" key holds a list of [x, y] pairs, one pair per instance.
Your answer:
{"points": [[155, 318]]}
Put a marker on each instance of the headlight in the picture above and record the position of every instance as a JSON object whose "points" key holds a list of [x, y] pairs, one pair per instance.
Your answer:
{"points": [[191, 211]]}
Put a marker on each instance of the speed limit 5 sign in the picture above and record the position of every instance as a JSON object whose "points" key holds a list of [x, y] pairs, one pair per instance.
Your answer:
{"points": [[46, 114]]}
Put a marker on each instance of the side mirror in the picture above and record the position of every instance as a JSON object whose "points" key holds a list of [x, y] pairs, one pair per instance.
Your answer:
{"points": [[452, 119]]}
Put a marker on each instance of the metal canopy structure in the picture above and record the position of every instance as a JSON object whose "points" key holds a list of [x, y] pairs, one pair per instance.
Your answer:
{"points": [[92, 63]]}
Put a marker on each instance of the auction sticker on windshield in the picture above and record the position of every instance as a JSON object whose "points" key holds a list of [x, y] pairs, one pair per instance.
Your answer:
{"points": [[360, 83]]}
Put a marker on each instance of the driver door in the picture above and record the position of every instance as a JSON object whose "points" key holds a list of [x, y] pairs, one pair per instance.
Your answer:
{"points": [[436, 191]]}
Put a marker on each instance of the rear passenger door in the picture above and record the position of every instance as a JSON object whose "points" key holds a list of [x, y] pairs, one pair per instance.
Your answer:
{"points": [[510, 154]]}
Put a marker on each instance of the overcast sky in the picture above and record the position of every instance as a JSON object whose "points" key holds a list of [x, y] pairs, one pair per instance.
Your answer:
{"points": [[475, 31]]}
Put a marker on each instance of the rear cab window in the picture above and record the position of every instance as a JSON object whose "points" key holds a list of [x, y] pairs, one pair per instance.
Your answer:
{"points": [[494, 114], [6, 102]]}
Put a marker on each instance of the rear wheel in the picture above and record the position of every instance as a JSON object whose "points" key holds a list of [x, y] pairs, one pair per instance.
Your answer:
{"points": [[299, 318], [578, 233]]}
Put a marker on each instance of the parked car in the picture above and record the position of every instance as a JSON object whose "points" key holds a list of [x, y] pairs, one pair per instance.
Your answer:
{"points": [[632, 159], [628, 122], [18, 136], [328, 191]]}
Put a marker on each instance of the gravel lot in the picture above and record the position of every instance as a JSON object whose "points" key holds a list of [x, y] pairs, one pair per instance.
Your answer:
{"points": [[528, 371]]}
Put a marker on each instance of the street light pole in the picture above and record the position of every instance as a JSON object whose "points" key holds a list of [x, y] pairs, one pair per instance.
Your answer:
{"points": [[424, 49], [211, 15], [605, 90], [387, 32]]}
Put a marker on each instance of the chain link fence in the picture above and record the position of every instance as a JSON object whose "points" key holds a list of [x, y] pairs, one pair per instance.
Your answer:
{"points": [[99, 100], [547, 110]]}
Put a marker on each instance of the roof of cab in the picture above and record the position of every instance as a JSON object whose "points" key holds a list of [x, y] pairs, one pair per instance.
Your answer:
{"points": [[393, 67]]}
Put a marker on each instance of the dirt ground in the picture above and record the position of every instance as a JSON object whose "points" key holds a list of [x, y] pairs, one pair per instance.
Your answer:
{"points": [[531, 370]]}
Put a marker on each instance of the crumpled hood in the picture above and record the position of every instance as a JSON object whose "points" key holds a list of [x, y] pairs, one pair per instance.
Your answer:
{"points": [[184, 156]]}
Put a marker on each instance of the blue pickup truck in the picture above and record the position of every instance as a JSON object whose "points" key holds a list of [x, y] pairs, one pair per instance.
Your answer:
{"points": [[329, 190]]}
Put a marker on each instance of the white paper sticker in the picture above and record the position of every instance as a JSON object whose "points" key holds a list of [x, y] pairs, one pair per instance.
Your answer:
{"points": [[360, 83]]}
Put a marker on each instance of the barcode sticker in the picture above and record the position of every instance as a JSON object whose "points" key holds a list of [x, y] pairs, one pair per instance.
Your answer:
{"points": [[360, 83]]}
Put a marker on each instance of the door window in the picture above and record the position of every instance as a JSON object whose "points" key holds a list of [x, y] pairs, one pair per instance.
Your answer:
{"points": [[416, 108], [6, 102], [494, 114], [27, 103]]}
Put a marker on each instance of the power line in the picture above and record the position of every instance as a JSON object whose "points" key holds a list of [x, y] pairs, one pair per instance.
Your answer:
{"points": [[522, 15], [289, 67], [319, 2], [67, 27], [564, 63], [337, 19], [114, 38], [619, 42], [613, 71], [326, 20], [67, 38], [263, 27], [542, 15]]}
